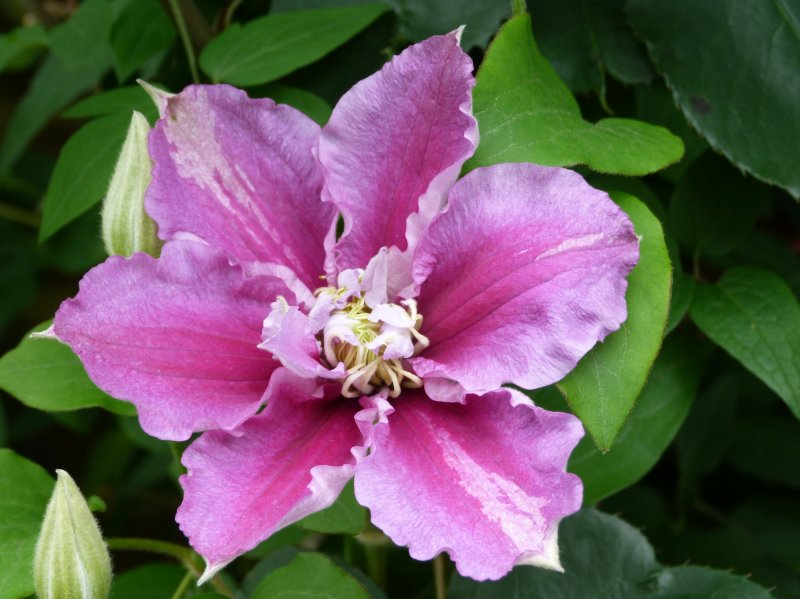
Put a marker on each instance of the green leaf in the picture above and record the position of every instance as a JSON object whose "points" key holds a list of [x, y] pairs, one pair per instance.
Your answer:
{"points": [[309, 104], [526, 114], [682, 296], [154, 581], [142, 30], [732, 66], [20, 45], [714, 206], [46, 375], [653, 423], [345, 516], [754, 316], [120, 101], [420, 19], [25, 489], [768, 448], [607, 558], [585, 39], [79, 59], [268, 48], [82, 173], [602, 389], [310, 575]]}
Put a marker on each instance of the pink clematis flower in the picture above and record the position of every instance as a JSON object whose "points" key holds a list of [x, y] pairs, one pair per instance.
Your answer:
{"points": [[380, 355]]}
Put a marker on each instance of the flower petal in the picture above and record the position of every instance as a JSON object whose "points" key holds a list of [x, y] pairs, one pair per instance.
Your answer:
{"points": [[394, 145], [523, 274], [291, 460], [240, 174], [484, 481], [176, 336]]}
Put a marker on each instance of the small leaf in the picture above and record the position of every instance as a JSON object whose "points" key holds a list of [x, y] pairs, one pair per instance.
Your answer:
{"points": [[155, 580], [272, 46], [140, 32], [46, 375], [309, 104], [526, 114], [310, 575], [25, 489], [602, 389], [82, 173], [732, 67], [120, 101], [694, 582], [420, 19], [754, 316], [345, 516], [21, 45]]}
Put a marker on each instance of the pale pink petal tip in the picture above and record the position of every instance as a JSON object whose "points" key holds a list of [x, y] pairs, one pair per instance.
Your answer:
{"points": [[484, 482]]}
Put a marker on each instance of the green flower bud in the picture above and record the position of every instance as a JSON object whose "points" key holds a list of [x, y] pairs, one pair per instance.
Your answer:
{"points": [[71, 560], [126, 226]]}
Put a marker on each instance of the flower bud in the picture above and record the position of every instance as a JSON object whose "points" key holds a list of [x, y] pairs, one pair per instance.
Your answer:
{"points": [[126, 226], [71, 560]]}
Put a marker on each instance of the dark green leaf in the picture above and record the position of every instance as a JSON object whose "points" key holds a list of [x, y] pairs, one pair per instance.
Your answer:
{"points": [[345, 516], [121, 101], [82, 173], [310, 575], [585, 39], [80, 57], [714, 206], [694, 582], [754, 316], [153, 581], [768, 448], [682, 296], [25, 489], [420, 19], [732, 66], [653, 423], [527, 114], [142, 30], [46, 375], [309, 104], [268, 48], [604, 386], [18, 46]]}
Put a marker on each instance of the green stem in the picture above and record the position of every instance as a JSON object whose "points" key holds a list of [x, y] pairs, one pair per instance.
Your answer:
{"points": [[440, 576], [20, 215], [518, 7], [190, 560], [180, 22], [183, 586]]}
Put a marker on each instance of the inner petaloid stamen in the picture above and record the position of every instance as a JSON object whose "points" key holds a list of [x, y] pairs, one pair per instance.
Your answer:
{"points": [[372, 344]]}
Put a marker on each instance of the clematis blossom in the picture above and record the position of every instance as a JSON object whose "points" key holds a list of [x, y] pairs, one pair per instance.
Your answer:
{"points": [[307, 359]]}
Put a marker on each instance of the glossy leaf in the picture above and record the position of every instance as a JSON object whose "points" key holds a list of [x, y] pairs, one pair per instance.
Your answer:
{"points": [[732, 66], [585, 39], [272, 46], [46, 375], [344, 516], [310, 575], [651, 426], [141, 31], [82, 173], [754, 316], [602, 389], [526, 114], [25, 489]]}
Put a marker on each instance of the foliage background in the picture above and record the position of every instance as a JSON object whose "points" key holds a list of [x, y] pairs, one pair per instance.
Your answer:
{"points": [[697, 483]]}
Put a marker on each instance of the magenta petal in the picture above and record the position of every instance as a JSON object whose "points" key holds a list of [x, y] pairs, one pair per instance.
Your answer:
{"points": [[395, 144], [484, 481], [291, 460], [177, 336], [240, 174], [520, 277]]}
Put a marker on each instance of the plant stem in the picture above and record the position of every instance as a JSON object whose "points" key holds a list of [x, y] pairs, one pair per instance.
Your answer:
{"points": [[440, 576], [19, 215], [180, 22], [183, 586], [190, 560], [518, 7]]}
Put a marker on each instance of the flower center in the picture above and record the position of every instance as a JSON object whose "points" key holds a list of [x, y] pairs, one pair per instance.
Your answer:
{"points": [[372, 343]]}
